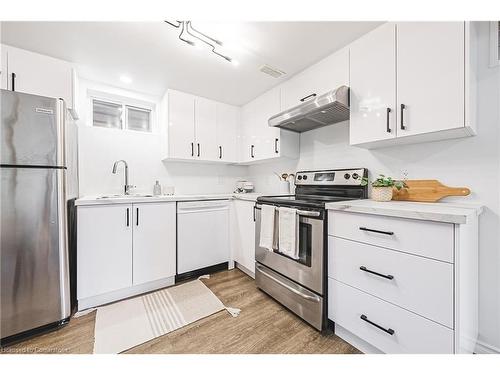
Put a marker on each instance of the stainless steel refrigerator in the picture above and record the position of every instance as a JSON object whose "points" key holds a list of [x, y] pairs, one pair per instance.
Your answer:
{"points": [[38, 176]]}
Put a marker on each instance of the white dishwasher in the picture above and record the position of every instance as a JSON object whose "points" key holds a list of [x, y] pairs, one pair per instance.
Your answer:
{"points": [[202, 235]]}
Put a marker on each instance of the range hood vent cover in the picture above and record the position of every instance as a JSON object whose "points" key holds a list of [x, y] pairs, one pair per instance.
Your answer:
{"points": [[326, 109]]}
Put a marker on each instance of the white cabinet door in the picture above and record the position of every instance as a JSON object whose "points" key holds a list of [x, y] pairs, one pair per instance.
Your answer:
{"points": [[430, 77], [244, 234], [40, 75], [154, 241], [260, 141], [181, 137], [205, 129], [326, 75], [104, 249], [227, 132], [373, 86], [3, 67]]}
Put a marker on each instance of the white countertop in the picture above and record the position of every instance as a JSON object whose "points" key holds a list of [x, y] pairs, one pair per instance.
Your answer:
{"points": [[95, 200], [449, 212]]}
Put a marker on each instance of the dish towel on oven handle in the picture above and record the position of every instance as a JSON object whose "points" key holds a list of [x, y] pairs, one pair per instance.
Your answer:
{"points": [[289, 232], [267, 227]]}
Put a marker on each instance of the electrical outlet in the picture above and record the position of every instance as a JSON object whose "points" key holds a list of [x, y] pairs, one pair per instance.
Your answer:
{"points": [[404, 174]]}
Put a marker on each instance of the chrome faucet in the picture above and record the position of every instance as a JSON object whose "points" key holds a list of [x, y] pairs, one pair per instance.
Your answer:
{"points": [[127, 187]]}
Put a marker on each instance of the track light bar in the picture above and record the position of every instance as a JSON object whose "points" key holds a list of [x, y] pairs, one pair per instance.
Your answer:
{"points": [[187, 27]]}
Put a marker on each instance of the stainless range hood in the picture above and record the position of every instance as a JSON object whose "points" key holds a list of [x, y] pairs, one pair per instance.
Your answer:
{"points": [[326, 109]]}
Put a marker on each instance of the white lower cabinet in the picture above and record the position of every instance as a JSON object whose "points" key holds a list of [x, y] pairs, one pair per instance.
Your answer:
{"points": [[243, 235], [401, 285], [104, 249], [389, 328], [154, 241], [124, 249]]}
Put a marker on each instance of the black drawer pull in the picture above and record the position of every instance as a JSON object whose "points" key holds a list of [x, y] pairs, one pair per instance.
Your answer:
{"points": [[376, 231], [307, 97], [390, 331], [389, 277]]}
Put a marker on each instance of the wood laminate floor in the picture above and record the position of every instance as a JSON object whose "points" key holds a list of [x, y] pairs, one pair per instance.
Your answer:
{"points": [[263, 326]]}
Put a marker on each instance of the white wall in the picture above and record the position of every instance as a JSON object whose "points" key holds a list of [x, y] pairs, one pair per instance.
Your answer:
{"points": [[99, 148], [471, 162]]}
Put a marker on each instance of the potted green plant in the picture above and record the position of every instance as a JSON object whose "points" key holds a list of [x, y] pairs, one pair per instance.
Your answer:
{"points": [[382, 187]]}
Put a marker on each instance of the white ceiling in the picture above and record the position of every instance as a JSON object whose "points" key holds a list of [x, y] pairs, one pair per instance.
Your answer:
{"points": [[152, 56]]}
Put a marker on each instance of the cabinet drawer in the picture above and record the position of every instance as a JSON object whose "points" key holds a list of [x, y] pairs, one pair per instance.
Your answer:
{"points": [[421, 285], [411, 333], [427, 238]]}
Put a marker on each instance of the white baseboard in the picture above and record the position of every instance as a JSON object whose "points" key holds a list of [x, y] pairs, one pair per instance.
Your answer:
{"points": [[484, 348], [94, 301], [244, 269]]}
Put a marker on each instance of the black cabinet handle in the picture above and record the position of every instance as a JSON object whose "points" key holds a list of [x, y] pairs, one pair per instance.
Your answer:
{"points": [[276, 145], [388, 126], [403, 127], [253, 213], [307, 97], [220, 152], [376, 231], [390, 331], [251, 151], [137, 216], [198, 150], [128, 218], [192, 149], [13, 81], [389, 277]]}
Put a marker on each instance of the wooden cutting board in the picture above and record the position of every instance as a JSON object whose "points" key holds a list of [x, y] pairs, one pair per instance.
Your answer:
{"points": [[427, 191]]}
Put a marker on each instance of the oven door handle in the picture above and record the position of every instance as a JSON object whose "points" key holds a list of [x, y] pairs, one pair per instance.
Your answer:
{"points": [[299, 212], [278, 281]]}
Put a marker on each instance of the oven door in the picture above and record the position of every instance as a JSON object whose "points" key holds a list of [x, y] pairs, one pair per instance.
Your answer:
{"points": [[308, 269]]}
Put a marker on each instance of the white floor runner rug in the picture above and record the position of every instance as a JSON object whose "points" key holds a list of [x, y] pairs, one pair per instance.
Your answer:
{"points": [[125, 324]]}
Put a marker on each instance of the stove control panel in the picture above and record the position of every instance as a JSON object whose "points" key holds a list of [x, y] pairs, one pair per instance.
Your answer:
{"points": [[351, 177]]}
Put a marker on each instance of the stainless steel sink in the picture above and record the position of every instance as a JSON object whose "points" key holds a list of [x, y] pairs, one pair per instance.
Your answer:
{"points": [[123, 196]]}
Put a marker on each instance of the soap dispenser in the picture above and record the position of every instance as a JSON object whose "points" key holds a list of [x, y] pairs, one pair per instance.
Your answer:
{"points": [[157, 188]]}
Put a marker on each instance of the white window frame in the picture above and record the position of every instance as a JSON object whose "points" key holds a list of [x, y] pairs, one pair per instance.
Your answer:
{"points": [[494, 48], [125, 102]]}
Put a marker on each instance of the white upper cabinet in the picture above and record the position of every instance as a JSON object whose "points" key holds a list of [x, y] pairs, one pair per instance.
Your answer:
{"points": [[37, 74], [258, 140], [430, 71], [326, 75], [419, 70], [205, 129], [373, 83], [200, 129], [227, 132], [3, 67], [181, 142]]}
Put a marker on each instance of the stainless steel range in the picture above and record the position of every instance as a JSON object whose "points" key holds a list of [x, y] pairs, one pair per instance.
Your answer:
{"points": [[300, 283]]}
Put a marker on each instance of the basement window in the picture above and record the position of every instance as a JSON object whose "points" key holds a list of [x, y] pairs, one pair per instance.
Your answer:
{"points": [[121, 115]]}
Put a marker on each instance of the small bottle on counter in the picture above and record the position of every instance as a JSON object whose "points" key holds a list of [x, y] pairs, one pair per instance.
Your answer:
{"points": [[157, 188]]}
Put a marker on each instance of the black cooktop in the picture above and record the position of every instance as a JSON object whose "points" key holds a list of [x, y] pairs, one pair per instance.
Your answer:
{"points": [[300, 201]]}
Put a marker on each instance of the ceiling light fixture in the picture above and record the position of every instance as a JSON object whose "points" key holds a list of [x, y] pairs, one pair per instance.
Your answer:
{"points": [[187, 27], [126, 79]]}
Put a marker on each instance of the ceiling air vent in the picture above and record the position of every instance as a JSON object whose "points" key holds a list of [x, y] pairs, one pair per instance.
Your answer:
{"points": [[273, 72]]}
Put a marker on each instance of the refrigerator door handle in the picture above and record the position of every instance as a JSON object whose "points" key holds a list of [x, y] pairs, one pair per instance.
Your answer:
{"points": [[65, 297]]}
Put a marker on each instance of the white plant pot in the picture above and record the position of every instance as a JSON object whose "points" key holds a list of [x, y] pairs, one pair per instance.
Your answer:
{"points": [[382, 194]]}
